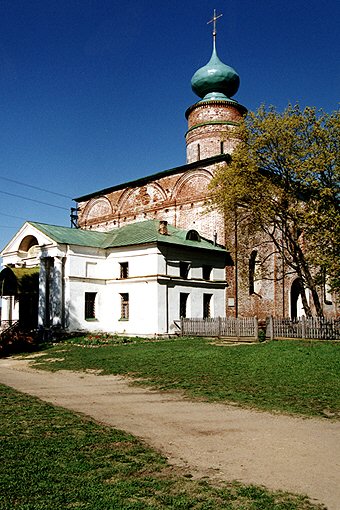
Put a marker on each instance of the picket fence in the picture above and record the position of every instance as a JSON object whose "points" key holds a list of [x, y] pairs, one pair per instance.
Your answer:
{"points": [[220, 327], [245, 328], [316, 328]]}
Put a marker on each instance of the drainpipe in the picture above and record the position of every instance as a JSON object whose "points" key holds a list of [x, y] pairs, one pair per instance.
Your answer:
{"points": [[236, 267]]}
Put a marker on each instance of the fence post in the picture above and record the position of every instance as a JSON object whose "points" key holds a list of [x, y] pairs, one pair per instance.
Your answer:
{"points": [[256, 329], [182, 326], [219, 326], [271, 327], [303, 326], [237, 327]]}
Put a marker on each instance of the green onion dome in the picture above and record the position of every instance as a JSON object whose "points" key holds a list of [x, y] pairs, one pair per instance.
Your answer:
{"points": [[215, 80]]}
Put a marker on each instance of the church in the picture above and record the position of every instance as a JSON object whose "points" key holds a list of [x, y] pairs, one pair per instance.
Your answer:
{"points": [[150, 251]]}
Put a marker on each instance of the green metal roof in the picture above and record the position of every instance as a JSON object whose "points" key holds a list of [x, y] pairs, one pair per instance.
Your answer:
{"points": [[19, 280], [144, 232], [67, 235], [215, 80]]}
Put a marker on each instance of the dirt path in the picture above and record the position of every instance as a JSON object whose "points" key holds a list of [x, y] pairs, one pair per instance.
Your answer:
{"points": [[214, 440]]}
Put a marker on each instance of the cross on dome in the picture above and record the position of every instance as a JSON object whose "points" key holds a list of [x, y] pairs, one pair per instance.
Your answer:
{"points": [[215, 80], [213, 20]]}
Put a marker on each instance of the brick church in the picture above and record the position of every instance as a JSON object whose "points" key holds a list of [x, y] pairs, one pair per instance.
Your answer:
{"points": [[179, 196], [154, 244]]}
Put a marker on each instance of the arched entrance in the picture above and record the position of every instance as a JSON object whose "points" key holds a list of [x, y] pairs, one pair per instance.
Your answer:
{"points": [[19, 288], [296, 306]]}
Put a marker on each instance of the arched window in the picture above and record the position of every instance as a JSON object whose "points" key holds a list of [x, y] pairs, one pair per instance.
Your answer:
{"points": [[254, 273], [193, 235]]}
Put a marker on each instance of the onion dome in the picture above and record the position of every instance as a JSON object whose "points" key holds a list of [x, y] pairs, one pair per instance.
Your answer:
{"points": [[215, 80]]}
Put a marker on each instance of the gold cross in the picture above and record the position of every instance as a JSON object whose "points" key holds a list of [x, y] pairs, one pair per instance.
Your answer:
{"points": [[214, 21]]}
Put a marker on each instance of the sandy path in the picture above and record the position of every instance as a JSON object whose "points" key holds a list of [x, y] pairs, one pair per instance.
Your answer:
{"points": [[215, 440]]}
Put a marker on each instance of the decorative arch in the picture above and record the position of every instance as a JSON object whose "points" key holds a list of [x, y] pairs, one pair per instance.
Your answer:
{"points": [[97, 208], [28, 242], [192, 184], [141, 197]]}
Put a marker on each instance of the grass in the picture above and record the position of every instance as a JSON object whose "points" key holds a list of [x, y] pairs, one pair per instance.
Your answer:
{"points": [[52, 459], [287, 376]]}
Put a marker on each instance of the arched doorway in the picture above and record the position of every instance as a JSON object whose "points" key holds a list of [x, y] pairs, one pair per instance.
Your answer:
{"points": [[19, 288], [296, 306]]}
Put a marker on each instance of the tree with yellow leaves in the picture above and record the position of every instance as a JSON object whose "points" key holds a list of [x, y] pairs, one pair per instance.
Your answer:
{"points": [[284, 183]]}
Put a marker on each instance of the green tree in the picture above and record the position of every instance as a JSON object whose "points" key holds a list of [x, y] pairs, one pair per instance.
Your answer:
{"points": [[283, 184]]}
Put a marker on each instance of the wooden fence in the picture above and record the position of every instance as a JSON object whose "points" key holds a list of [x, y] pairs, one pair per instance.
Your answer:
{"points": [[220, 327], [310, 328]]}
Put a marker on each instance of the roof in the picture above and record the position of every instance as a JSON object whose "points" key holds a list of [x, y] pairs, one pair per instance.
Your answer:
{"points": [[19, 280], [159, 175], [145, 232], [67, 235]]}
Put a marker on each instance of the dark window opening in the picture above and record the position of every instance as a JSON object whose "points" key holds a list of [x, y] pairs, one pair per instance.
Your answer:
{"points": [[183, 299], [252, 265], [90, 301], [206, 272], [222, 147], [124, 307], [193, 235], [184, 268], [207, 306], [124, 269], [198, 152]]}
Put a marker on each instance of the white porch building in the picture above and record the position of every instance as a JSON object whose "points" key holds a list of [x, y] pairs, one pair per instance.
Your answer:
{"points": [[134, 280]]}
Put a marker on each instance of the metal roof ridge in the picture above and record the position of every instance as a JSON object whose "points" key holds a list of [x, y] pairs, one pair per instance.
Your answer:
{"points": [[147, 178]]}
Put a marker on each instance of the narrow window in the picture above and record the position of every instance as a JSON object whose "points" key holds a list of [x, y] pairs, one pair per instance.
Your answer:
{"points": [[206, 272], [198, 152], [184, 270], [206, 305], [222, 147], [124, 269], [91, 269], [124, 307], [183, 299], [252, 265], [90, 309], [327, 295]]}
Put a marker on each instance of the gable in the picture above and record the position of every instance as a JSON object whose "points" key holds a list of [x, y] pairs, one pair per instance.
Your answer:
{"points": [[25, 239]]}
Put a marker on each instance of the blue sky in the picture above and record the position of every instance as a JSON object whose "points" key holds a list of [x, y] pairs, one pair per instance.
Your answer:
{"points": [[93, 92]]}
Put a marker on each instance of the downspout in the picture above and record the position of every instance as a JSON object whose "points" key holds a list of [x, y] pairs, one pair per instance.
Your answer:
{"points": [[63, 292], [236, 268], [167, 295]]}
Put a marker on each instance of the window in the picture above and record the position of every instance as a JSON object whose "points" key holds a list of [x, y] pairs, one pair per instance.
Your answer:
{"points": [[183, 299], [198, 152], [124, 269], [252, 262], [222, 147], [193, 235], [255, 273], [90, 309], [206, 272], [124, 306], [207, 305], [91, 269], [184, 268]]}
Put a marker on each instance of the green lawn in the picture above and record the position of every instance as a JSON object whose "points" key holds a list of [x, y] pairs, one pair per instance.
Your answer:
{"points": [[287, 376], [52, 459]]}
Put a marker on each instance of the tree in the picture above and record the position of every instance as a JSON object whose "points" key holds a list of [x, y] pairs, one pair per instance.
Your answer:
{"points": [[283, 184]]}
